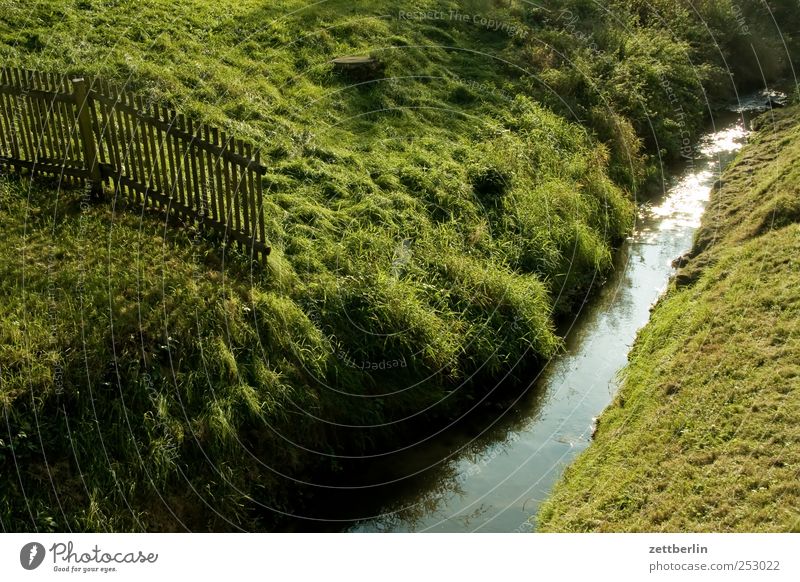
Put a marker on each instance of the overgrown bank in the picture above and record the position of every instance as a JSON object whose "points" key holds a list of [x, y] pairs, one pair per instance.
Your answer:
{"points": [[426, 229], [703, 435]]}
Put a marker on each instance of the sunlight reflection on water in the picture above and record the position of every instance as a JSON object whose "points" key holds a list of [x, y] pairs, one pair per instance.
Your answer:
{"points": [[495, 482], [684, 207]]}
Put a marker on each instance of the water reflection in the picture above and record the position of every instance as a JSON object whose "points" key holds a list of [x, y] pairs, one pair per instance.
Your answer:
{"points": [[683, 207], [491, 472]]}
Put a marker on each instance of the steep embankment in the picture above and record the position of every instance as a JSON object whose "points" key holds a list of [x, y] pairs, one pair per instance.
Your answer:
{"points": [[425, 229], [704, 434]]}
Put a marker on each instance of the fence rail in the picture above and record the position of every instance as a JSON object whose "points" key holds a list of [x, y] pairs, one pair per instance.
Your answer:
{"points": [[86, 131]]}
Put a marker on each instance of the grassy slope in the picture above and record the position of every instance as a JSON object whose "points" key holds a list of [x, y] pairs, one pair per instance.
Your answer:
{"points": [[416, 234], [439, 219], [704, 434]]}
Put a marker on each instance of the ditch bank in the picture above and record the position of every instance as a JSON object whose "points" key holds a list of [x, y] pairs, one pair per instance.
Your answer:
{"points": [[703, 433]]}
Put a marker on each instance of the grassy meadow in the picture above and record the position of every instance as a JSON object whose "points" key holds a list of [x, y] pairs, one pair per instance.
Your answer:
{"points": [[428, 231]]}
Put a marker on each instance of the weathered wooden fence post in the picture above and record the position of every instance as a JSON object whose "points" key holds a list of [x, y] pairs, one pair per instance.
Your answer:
{"points": [[83, 103]]}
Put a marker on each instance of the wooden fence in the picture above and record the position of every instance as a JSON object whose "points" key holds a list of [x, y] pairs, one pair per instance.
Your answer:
{"points": [[87, 132]]}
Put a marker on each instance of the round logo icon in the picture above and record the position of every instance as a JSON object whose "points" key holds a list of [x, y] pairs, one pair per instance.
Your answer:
{"points": [[31, 555]]}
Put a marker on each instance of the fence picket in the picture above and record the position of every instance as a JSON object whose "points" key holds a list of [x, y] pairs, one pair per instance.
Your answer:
{"points": [[179, 196], [46, 106], [164, 189], [226, 172], [58, 130], [6, 132], [217, 173], [113, 140], [245, 190], [96, 119], [144, 176], [186, 164], [27, 116], [32, 111], [49, 121], [103, 131], [236, 184], [122, 144], [120, 139], [205, 191], [251, 200], [130, 157], [39, 113], [150, 145], [62, 135], [20, 117], [8, 111], [138, 137], [173, 177], [200, 202], [262, 236]]}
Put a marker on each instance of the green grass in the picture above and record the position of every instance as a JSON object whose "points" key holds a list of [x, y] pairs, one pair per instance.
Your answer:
{"points": [[703, 435], [443, 217]]}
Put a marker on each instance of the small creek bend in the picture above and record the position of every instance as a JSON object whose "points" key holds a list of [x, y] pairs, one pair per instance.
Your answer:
{"points": [[491, 474]]}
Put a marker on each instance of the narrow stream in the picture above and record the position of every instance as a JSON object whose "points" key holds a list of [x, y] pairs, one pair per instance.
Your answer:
{"points": [[492, 474]]}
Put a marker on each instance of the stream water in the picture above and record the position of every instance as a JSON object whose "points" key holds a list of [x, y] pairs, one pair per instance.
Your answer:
{"points": [[490, 474]]}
